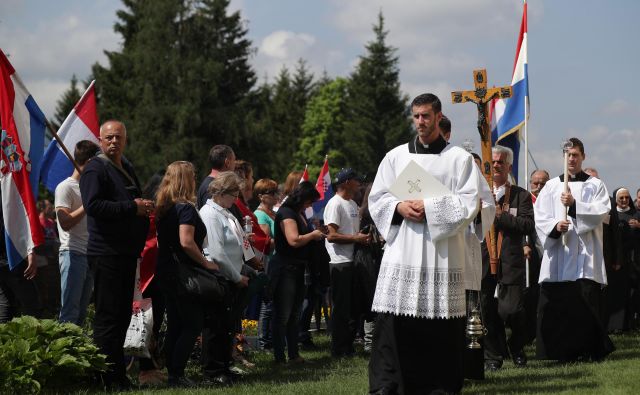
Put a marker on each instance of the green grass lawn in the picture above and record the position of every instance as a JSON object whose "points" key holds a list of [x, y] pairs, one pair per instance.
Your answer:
{"points": [[618, 374]]}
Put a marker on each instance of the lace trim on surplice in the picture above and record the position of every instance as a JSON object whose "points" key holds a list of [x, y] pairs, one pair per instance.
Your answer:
{"points": [[420, 292]]}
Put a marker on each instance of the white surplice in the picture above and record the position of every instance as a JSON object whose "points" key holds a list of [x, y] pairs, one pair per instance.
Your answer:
{"points": [[582, 257], [475, 234], [422, 270]]}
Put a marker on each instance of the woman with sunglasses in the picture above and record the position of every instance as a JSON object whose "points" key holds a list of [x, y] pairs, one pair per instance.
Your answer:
{"points": [[266, 191]]}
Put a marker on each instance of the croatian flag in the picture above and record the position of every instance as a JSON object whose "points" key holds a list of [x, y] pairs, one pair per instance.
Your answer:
{"points": [[23, 126], [81, 124], [305, 175], [323, 186], [507, 115]]}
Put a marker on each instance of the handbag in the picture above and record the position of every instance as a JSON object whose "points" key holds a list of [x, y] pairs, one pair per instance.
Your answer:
{"points": [[198, 283]]}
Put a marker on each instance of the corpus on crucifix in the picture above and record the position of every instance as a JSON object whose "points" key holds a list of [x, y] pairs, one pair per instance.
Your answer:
{"points": [[482, 96]]}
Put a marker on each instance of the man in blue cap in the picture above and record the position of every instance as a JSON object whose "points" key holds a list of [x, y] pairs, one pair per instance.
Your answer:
{"points": [[343, 223]]}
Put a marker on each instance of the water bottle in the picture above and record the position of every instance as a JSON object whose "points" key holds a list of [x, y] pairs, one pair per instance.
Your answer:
{"points": [[248, 226]]}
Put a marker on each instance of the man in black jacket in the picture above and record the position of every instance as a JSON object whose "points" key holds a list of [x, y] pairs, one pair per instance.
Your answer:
{"points": [[514, 220], [117, 222]]}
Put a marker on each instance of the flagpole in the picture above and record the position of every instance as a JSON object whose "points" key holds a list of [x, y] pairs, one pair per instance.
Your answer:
{"points": [[526, 108], [64, 147]]}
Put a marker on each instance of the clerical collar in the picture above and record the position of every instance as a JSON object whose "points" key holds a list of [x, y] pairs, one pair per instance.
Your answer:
{"points": [[416, 147], [582, 177]]}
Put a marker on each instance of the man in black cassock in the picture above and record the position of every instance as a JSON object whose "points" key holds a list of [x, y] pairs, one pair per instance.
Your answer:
{"points": [[418, 343]]}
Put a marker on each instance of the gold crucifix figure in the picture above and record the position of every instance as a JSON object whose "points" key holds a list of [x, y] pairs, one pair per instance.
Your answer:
{"points": [[482, 96]]}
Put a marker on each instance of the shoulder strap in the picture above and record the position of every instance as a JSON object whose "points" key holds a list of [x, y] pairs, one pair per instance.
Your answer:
{"points": [[120, 169]]}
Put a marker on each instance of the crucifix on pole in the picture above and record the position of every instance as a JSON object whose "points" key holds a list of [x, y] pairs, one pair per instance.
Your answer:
{"points": [[482, 96]]}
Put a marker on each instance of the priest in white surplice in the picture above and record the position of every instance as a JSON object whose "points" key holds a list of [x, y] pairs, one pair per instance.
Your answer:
{"points": [[420, 294], [572, 275]]}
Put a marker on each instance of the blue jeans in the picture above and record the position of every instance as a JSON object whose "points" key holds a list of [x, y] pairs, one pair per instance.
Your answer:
{"points": [[76, 285]]}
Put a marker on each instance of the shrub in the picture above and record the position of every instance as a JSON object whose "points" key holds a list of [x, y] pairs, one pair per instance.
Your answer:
{"points": [[37, 354]]}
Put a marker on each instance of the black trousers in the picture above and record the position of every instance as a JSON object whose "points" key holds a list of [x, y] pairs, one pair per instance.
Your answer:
{"points": [[185, 319], [495, 340], [416, 355], [343, 320], [508, 309], [114, 280], [218, 331]]}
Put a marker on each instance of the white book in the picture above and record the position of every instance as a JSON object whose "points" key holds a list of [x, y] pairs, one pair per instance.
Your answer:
{"points": [[415, 183]]}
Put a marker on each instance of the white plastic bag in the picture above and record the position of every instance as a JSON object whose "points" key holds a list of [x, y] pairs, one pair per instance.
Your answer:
{"points": [[140, 331]]}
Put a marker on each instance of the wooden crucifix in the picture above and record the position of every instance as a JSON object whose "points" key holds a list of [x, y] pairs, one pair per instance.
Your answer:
{"points": [[482, 96]]}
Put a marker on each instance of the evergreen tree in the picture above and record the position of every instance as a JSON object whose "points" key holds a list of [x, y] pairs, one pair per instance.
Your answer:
{"points": [[180, 82], [65, 104], [285, 134], [260, 137], [377, 118]]}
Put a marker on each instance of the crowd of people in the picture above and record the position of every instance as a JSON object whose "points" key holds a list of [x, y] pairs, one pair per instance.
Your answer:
{"points": [[559, 267]]}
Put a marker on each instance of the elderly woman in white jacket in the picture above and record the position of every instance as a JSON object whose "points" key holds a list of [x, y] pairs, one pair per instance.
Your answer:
{"points": [[227, 246]]}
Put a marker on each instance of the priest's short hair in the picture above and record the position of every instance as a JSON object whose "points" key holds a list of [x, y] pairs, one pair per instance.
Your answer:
{"points": [[427, 98]]}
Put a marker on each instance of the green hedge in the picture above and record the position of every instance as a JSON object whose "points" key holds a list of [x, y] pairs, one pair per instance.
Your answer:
{"points": [[38, 354]]}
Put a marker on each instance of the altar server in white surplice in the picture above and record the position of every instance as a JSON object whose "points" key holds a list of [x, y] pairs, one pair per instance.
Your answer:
{"points": [[420, 294], [572, 274]]}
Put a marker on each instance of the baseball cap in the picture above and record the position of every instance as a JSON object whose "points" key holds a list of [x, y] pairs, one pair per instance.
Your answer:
{"points": [[347, 174]]}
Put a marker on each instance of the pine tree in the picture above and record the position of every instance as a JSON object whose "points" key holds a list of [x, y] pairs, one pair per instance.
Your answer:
{"points": [[180, 82], [377, 109]]}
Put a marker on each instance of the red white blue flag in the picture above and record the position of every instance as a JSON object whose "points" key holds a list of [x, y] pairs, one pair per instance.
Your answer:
{"points": [[323, 186], [22, 142], [81, 124], [507, 115]]}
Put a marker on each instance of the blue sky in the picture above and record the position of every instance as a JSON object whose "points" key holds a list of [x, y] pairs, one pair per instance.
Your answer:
{"points": [[583, 57]]}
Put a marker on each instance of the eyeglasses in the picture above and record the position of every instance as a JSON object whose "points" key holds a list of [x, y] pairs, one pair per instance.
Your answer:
{"points": [[272, 193], [624, 198]]}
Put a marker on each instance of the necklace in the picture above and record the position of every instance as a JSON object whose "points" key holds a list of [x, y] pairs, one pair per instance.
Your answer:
{"points": [[270, 213]]}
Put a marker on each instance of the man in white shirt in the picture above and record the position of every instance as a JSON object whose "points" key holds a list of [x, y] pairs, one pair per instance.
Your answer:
{"points": [[76, 280], [343, 222]]}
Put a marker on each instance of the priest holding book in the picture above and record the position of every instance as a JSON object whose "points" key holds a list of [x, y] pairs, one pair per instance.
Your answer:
{"points": [[422, 212]]}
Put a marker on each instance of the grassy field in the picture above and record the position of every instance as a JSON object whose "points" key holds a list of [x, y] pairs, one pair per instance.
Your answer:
{"points": [[324, 375]]}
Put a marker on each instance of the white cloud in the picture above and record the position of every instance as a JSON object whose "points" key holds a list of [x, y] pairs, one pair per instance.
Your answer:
{"points": [[47, 54], [282, 44], [607, 150], [427, 23], [283, 48]]}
